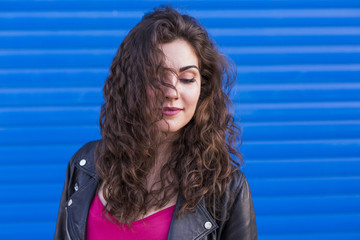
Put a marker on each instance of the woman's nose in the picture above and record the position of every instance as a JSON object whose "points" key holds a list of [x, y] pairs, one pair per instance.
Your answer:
{"points": [[171, 92]]}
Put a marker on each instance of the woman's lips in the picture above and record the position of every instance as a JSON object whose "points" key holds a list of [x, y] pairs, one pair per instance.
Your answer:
{"points": [[171, 111]]}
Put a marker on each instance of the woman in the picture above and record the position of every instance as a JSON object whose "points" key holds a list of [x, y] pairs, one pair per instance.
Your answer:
{"points": [[166, 166]]}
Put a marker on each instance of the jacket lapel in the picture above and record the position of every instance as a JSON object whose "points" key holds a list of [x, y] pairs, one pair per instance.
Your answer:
{"points": [[79, 202], [193, 225]]}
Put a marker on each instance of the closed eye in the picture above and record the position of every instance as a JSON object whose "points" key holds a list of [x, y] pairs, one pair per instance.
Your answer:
{"points": [[185, 80]]}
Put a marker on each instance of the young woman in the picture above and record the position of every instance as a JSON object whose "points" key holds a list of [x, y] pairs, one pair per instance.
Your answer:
{"points": [[166, 166]]}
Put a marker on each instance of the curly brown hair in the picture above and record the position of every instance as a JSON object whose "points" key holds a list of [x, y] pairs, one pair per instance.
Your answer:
{"points": [[204, 155]]}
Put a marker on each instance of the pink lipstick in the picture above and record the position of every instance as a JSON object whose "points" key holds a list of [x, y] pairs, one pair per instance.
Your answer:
{"points": [[171, 111]]}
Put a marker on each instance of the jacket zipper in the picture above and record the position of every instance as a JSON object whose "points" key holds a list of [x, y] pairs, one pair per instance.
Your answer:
{"points": [[66, 224]]}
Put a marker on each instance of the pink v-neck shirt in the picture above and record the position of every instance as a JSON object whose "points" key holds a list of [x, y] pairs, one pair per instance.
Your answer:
{"points": [[153, 227]]}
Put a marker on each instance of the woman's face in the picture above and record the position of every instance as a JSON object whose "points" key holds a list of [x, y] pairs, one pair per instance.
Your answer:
{"points": [[180, 103]]}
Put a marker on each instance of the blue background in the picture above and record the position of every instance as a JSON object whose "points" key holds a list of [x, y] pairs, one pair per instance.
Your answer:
{"points": [[297, 98]]}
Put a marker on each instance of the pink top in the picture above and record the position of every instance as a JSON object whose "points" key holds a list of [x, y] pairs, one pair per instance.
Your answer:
{"points": [[153, 227]]}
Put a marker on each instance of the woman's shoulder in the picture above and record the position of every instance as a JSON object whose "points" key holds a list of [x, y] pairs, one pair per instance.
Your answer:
{"points": [[88, 147], [85, 156], [239, 182], [241, 221]]}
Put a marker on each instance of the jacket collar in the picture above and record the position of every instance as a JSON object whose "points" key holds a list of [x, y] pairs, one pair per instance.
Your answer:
{"points": [[86, 162]]}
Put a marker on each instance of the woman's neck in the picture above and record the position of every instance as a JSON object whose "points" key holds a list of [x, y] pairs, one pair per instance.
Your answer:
{"points": [[162, 157], [165, 148]]}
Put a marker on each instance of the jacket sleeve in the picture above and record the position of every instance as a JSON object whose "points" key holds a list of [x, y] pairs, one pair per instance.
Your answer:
{"points": [[60, 230], [242, 222]]}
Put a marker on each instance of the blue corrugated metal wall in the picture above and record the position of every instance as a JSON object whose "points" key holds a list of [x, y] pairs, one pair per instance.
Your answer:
{"points": [[297, 98]]}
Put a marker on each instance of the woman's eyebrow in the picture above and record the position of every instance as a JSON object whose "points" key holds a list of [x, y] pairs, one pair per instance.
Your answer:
{"points": [[188, 67]]}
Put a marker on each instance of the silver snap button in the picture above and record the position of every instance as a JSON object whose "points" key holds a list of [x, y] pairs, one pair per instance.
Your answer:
{"points": [[70, 202], [76, 187], [82, 162], [208, 225]]}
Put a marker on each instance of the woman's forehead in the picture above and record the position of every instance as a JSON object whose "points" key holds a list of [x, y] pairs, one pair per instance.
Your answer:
{"points": [[179, 55]]}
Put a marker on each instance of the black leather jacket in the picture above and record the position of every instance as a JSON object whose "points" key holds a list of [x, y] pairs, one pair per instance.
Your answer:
{"points": [[81, 184]]}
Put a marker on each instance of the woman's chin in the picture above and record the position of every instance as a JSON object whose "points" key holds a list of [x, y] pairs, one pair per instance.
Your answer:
{"points": [[169, 127]]}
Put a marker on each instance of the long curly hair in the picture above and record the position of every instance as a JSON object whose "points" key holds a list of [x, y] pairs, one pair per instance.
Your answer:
{"points": [[204, 155]]}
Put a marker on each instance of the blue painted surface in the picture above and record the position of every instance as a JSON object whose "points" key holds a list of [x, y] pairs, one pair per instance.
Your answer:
{"points": [[297, 99]]}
